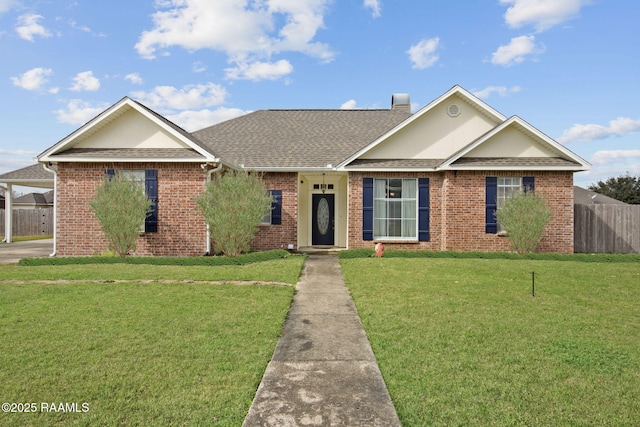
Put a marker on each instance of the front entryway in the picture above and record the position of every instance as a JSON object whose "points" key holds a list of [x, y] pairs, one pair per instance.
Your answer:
{"points": [[323, 220]]}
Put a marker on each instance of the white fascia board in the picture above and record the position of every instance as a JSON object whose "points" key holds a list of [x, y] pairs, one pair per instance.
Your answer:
{"points": [[534, 131], [356, 169], [553, 143], [73, 159], [68, 140], [64, 142], [456, 90], [576, 168]]}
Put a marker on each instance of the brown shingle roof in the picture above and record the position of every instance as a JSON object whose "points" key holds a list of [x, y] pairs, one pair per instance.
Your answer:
{"points": [[133, 153], [297, 138], [395, 163], [492, 162], [30, 173]]}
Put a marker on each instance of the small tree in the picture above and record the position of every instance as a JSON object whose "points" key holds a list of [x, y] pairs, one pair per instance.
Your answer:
{"points": [[524, 217], [233, 204], [625, 188], [121, 208]]}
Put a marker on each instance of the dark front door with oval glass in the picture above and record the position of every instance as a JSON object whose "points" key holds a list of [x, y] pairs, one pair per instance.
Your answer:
{"points": [[323, 220]]}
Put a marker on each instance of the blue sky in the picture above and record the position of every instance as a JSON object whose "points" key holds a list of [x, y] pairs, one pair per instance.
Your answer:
{"points": [[570, 68]]}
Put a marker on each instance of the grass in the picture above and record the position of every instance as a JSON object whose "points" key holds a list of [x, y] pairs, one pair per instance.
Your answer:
{"points": [[28, 238], [463, 341], [139, 353]]}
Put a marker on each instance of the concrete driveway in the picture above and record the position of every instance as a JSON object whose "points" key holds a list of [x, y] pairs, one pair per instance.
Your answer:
{"points": [[12, 252]]}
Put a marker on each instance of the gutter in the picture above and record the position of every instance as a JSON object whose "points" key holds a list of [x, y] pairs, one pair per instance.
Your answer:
{"points": [[210, 172], [55, 206]]}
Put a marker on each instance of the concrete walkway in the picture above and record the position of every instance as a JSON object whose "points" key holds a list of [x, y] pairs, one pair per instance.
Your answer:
{"points": [[13, 252], [323, 371]]}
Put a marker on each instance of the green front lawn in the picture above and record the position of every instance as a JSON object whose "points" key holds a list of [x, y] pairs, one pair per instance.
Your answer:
{"points": [[139, 353], [463, 341]]}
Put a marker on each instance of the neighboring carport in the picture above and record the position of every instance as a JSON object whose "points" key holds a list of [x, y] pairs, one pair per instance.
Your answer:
{"points": [[31, 176]]}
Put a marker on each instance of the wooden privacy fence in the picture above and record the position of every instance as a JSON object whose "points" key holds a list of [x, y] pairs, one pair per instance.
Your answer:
{"points": [[607, 228], [29, 222]]}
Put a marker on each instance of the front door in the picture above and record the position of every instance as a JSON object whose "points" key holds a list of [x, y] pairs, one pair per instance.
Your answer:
{"points": [[323, 219]]}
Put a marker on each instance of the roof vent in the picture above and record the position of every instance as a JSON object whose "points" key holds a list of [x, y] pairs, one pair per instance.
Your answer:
{"points": [[453, 110], [401, 101]]}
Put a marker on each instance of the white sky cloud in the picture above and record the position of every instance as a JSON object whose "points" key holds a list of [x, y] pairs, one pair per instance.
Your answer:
{"points": [[34, 79], [79, 112], [349, 105], [196, 120], [260, 70], [590, 132], [6, 5], [516, 51], [542, 14], [606, 157], [85, 81], [199, 67], [28, 27], [189, 97], [500, 90], [424, 53], [374, 5], [17, 152], [134, 78], [246, 34]]}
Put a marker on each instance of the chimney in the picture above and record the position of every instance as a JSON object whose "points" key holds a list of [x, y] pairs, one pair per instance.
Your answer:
{"points": [[401, 101]]}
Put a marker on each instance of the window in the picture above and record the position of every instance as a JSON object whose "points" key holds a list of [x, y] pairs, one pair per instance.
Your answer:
{"points": [[274, 216], [506, 188], [395, 209], [148, 181], [498, 190]]}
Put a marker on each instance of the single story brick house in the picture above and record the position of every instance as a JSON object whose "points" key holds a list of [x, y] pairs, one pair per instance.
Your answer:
{"points": [[431, 180]]}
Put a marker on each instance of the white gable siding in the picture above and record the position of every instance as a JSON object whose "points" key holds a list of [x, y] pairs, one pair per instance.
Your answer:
{"points": [[435, 135], [130, 130], [510, 142]]}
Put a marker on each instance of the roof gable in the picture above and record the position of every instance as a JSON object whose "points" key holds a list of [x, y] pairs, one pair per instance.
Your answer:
{"points": [[436, 131], [523, 145], [128, 131]]}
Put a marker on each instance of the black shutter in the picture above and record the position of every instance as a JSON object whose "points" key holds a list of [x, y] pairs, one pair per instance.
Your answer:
{"points": [[151, 190], [276, 207], [367, 209], [491, 205], [528, 184], [423, 209]]}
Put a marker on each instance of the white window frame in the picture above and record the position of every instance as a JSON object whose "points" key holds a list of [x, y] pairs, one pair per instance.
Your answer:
{"points": [[137, 176], [267, 219], [507, 185], [385, 201]]}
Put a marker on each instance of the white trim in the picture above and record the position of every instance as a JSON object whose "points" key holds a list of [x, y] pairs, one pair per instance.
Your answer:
{"points": [[583, 164], [456, 90], [75, 159], [125, 102]]}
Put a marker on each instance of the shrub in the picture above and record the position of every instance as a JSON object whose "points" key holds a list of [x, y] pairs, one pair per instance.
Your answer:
{"points": [[121, 208], [233, 204], [524, 217]]}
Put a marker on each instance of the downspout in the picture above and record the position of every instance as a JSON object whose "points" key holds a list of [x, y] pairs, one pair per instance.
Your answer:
{"points": [[210, 172], [55, 207], [8, 213]]}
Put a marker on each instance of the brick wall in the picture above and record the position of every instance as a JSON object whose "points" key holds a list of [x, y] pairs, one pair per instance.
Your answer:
{"points": [[457, 211], [281, 235], [181, 229]]}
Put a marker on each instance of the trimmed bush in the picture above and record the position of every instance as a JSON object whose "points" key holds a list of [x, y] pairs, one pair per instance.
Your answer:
{"points": [[210, 260], [390, 253]]}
